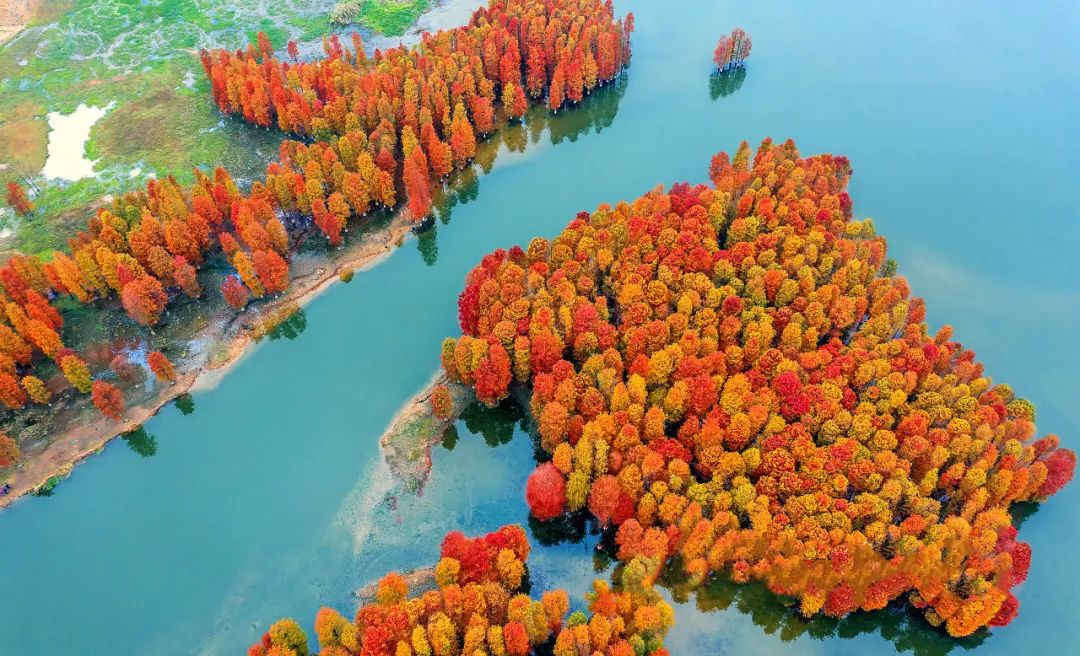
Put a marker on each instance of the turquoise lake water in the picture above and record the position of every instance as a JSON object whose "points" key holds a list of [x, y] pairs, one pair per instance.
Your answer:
{"points": [[271, 498]]}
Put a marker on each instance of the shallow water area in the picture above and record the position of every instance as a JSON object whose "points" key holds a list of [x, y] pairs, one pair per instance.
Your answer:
{"points": [[272, 499]]}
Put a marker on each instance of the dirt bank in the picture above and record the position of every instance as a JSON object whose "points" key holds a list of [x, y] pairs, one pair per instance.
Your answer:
{"points": [[14, 15], [408, 441], [223, 343]]}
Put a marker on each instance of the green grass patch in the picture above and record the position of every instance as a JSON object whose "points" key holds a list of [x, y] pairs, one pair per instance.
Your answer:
{"points": [[23, 136], [310, 28], [391, 17], [137, 55], [46, 231]]}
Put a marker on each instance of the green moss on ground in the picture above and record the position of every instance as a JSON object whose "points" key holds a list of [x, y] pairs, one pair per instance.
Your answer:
{"points": [[23, 137], [50, 11], [391, 17], [141, 57]]}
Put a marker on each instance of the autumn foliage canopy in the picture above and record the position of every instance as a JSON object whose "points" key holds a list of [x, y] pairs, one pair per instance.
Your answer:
{"points": [[414, 114], [18, 201], [732, 49], [479, 607], [732, 374], [364, 127]]}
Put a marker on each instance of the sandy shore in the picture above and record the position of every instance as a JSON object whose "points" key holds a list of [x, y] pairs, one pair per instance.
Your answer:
{"points": [[415, 430], [203, 371]]}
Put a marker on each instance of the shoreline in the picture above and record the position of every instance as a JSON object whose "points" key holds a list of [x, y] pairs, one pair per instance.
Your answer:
{"points": [[227, 340], [77, 443], [414, 430], [17, 17]]}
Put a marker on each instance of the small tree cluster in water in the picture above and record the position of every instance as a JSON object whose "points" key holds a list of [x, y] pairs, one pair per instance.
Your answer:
{"points": [[732, 50], [481, 606], [732, 374], [404, 117]]}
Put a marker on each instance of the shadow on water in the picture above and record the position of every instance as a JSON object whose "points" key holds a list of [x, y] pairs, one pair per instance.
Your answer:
{"points": [[899, 624], [595, 113], [724, 83], [428, 245], [290, 328], [450, 437], [1021, 512], [185, 403], [496, 424], [568, 529], [141, 442]]}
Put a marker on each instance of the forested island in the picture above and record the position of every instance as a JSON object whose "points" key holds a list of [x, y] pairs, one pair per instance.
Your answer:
{"points": [[732, 378], [481, 604]]}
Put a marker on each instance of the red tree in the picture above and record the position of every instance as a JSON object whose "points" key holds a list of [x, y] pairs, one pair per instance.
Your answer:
{"points": [[273, 271], [417, 184], [184, 274], [161, 367], [108, 399], [17, 199], [144, 299], [546, 492], [234, 291]]}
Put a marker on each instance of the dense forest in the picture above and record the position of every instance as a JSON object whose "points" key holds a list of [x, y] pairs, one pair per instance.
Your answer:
{"points": [[368, 132], [733, 376]]}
